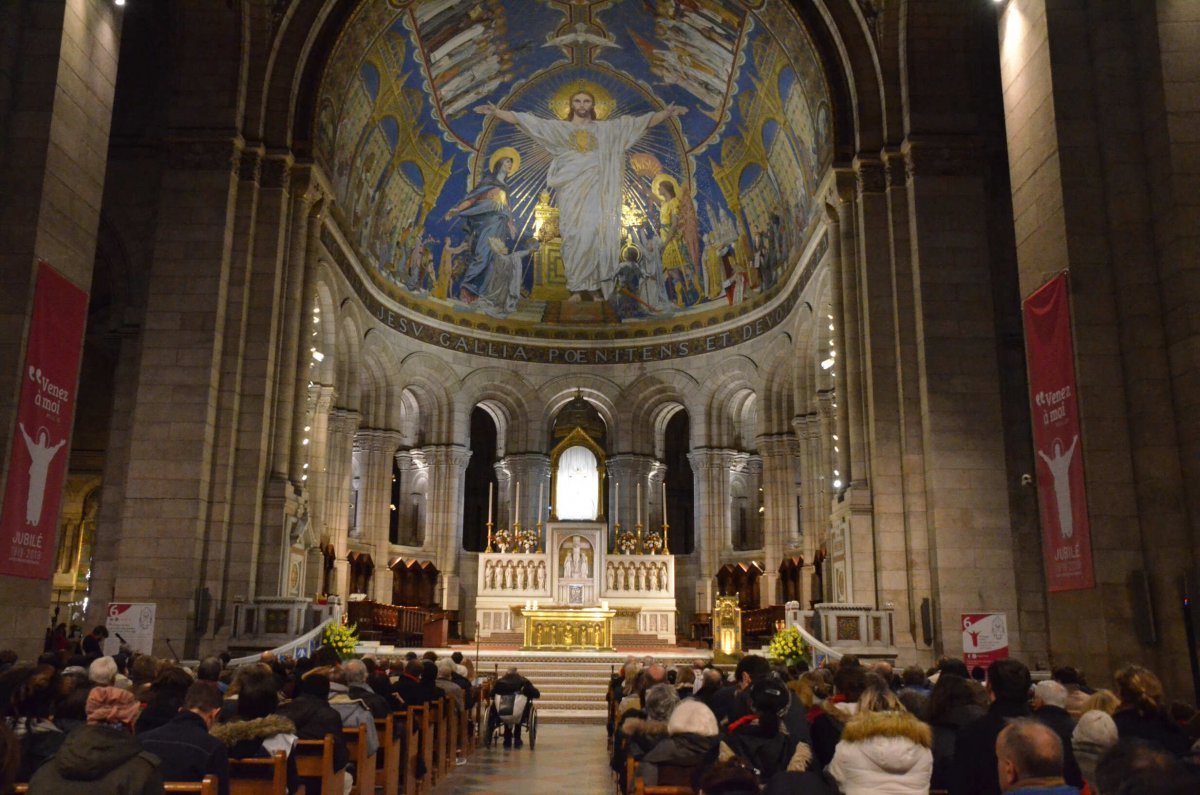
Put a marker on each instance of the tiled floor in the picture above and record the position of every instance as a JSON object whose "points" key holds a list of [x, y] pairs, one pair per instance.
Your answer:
{"points": [[568, 759]]}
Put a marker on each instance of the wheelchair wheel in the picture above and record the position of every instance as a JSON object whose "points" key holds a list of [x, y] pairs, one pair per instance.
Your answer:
{"points": [[532, 728], [489, 726]]}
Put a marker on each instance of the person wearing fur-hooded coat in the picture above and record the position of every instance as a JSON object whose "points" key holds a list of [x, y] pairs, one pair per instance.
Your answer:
{"points": [[260, 738], [883, 753]]}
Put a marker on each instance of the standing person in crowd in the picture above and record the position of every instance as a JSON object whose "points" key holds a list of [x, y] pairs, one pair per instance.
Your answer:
{"points": [[952, 706], [410, 688], [1141, 714], [93, 643], [1077, 689], [1030, 760], [638, 734], [187, 750], [1094, 734], [1049, 706], [1138, 767], [103, 756], [209, 670], [312, 716], [974, 769], [710, 683], [164, 698]]}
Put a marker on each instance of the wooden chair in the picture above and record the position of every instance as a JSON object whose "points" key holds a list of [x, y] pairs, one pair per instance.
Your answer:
{"points": [[425, 742], [364, 765], [465, 739], [258, 776], [314, 762], [408, 726], [207, 786], [387, 760]]}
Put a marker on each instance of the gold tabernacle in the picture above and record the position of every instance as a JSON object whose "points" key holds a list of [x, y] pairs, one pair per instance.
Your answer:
{"points": [[567, 628]]}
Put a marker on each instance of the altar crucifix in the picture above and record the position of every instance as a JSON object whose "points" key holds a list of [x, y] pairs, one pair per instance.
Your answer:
{"points": [[577, 565]]}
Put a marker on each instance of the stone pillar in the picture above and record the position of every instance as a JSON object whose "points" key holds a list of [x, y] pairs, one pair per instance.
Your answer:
{"points": [[408, 529], [848, 330], [502, 506], [746, 467], [630, 470], [313, 461], [779, 453], [531, 470], [447, 466], [375, 500], [655, 511], [710, 470], [343, 424]]}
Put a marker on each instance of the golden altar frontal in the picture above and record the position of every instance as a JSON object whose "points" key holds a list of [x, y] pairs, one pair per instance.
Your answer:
{"points": [[569, 628]]}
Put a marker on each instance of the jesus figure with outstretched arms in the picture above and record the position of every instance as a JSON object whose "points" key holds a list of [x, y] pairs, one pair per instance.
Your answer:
{"points": [[586, 173]]}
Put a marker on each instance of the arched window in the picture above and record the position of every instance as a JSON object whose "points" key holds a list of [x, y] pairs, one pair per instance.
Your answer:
{"points": [[577, 485]]}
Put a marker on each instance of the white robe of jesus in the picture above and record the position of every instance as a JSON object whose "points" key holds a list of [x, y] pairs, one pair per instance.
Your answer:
{"points": [[586, 174]]}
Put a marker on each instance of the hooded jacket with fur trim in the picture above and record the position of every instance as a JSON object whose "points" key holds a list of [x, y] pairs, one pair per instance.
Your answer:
{"points": [[883, 752]]}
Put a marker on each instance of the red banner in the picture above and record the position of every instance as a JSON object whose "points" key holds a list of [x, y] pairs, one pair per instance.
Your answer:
{"points": [[1062, 496], [37, 466]]}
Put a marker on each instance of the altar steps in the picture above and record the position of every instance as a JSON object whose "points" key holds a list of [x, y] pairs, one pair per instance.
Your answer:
{"points": [[573, 684]]}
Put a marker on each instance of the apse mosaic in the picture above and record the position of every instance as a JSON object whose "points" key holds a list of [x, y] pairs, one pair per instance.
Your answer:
{"points": [[621, 164]]}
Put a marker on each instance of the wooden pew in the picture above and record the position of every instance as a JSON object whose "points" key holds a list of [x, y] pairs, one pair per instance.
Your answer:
{"points": [[409, 727], [453, 717], [387, 760], [206, 787], [314, 762], [364, 765], [425, 741], [466, 739], [637, 785], [258, 776], [433, 737]]}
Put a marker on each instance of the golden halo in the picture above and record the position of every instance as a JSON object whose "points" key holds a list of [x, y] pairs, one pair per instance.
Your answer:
{"points": [[560, 103], [500, 154], [660, 179], [634, 249]]}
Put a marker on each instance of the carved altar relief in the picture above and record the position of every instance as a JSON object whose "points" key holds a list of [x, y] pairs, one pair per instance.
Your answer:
{"points": [[575, 558]]}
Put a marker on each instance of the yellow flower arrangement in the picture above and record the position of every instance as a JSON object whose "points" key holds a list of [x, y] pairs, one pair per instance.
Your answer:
{"points": [[341, 639], [787, 646]]}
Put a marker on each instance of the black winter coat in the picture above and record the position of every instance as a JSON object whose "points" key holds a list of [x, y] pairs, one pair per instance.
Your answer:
{"points": [[99, 759], [314, 718], [974, 769]]}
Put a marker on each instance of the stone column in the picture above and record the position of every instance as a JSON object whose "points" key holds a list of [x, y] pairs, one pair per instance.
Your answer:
{"points": [[848, 330], [630, 471], [375, 499], [531, 470], [408, 531], [779, 458], [502, 500], [710, 470], [447, 466]]}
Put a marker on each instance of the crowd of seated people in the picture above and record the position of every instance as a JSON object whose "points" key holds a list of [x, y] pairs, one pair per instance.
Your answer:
{"points": [[75, 722], [858, 729]]}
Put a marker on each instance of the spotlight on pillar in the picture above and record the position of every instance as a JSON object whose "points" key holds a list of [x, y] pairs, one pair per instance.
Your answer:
{"points": [[825, 365], [119, 3]]}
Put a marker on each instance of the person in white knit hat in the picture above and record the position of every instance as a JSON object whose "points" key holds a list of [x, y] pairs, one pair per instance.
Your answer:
{"points": [[1094, 734]]}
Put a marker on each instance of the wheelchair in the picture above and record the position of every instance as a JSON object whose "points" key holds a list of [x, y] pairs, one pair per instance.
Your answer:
{"points": [[508, 711]]}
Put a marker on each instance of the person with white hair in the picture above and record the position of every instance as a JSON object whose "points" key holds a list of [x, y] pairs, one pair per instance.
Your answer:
{"points": [[103, 671], [1049, 703], [1094, 734], [689, 749], [355, 673]]}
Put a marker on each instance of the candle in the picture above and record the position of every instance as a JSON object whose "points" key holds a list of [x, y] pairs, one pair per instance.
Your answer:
{"points": [[517, 509], [617, 505], [541, 498], [489, 502], [664, 485], [639, 502]]}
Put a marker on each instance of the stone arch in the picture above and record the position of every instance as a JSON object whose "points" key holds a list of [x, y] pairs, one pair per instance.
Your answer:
{"points": [[380, 404], [727, 402], [778, 405], [509, 400], [347, 360], [650, 401], [432, 384], [602, 393]]}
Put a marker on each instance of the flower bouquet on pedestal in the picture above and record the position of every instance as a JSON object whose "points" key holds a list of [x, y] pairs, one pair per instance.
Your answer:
{"points": [[653, 543], [787, 646], [341, 638], [502, 540], [527, 539], [626, 542]]}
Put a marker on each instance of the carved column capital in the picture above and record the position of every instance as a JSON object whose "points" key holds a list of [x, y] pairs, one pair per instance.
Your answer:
{"points": [[871, 175], [951, 156], [205, 154]]}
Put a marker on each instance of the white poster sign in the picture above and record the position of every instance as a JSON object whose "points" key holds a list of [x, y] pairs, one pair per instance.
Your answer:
{"points": [[133, 622]]}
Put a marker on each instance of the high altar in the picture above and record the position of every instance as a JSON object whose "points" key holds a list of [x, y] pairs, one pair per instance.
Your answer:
{"points": [[556, 594]]}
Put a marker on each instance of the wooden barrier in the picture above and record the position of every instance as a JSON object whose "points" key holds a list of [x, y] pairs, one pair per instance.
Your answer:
{"points": [[437, 739], [364, 765], [258, 776], [425, 740], [450, 721], [314, 762], [206, 786]]}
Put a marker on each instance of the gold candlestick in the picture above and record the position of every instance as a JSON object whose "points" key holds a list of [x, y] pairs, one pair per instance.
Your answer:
{"points": [[641, 550], [666, 545], [489, 528]]}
